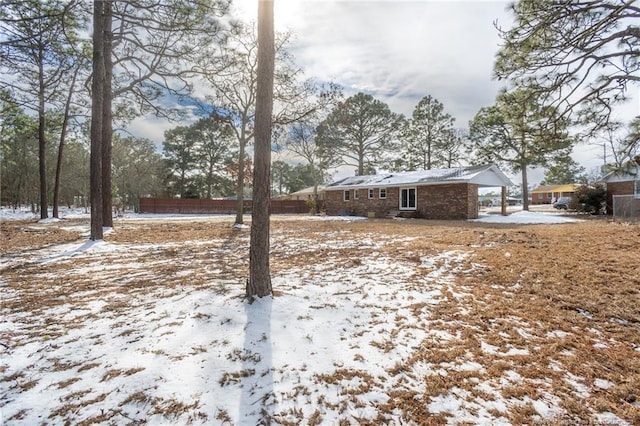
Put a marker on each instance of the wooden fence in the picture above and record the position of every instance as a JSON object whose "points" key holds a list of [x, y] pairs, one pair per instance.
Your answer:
{"points": [[207, 206]]}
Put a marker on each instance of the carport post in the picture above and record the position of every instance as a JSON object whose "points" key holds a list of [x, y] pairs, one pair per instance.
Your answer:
{"points": [[504, 201]]}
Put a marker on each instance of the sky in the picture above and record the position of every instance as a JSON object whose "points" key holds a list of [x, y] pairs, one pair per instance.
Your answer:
{"points": [[401, 51], [398, 51]]}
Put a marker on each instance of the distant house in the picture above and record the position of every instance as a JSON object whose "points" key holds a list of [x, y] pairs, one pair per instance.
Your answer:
{"points": [[496, 201], [548, 194], [430, 194], [490, 200], [624, 185], [306, 193]]}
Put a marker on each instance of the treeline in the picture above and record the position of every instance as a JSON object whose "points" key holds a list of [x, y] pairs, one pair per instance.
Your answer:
{"points": [[201, 160], [137, 168]]}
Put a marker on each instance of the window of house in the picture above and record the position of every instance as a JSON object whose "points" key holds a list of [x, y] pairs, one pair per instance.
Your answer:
{"points": [[356, 194], [408, 199], [540, 195], [549, 194], [346, 195], [382, 193], [370, 192], [636, 191]]}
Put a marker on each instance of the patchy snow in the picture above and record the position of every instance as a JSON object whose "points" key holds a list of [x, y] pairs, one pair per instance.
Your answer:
{"points": [[603, 384], [209, 351], [23, 213], [609, 419], [332, 345], [516, 217], [526, 217], [580, 388], [494, 350]]}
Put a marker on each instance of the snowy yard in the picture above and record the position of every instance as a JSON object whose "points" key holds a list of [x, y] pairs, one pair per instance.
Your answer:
{"points": [[373, 322]]}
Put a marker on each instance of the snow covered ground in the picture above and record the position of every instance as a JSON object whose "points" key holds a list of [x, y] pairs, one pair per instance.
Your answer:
{"points": [[527, 217], [515, 215], [151, 331]]}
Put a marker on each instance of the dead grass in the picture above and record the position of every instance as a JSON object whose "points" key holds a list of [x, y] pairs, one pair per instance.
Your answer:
{"points": [[535, 305], [17, 236]]}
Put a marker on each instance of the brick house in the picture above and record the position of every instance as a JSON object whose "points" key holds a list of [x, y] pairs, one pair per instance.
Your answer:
{"points": [[430, 194], [624, 186], [547, 194]]}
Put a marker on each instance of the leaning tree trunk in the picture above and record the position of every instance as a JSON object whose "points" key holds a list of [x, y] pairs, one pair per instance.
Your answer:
{"points": [[97, 102], [259, 283], [63, 136], [107, 127]]}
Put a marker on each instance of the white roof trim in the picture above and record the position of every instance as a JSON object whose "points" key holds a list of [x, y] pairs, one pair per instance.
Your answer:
{"points": [[486, 175]]}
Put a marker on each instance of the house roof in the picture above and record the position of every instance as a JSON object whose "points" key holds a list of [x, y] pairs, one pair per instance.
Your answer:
{"points": [[308, 190], [632, 173], [486, 175], [570, 187]]}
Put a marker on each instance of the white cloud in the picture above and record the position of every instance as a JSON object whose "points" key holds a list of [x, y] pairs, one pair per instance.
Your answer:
{"points": [[402, 51], [151, 128]]}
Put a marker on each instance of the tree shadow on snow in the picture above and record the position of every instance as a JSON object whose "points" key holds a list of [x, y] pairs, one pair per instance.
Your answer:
{"points": [[257, 364]]}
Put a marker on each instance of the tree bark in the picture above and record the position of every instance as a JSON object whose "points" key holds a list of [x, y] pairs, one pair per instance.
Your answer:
{"points": [[525, 189], [107, 116], [240, 183], [42, 141], [259, 283], [97, 102], [63, 136], [316, 201]]}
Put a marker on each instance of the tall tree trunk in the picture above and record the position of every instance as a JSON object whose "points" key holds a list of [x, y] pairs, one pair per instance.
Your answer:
{"points": [[107, 126], [209, 179], [240, 182], [259, 283], [42, 141], [525, 189], [316, 201], [63, 136], [97, 102], [523, 169]]}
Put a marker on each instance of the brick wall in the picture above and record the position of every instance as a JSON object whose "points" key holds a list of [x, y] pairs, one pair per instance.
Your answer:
{"points": [[473, 203], [617, 188], [450, 201], [336, 206], [540, 198], [545, 197]]}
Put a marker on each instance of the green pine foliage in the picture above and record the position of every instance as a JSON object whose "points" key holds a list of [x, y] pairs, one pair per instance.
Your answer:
{"points": [[590, 198]]}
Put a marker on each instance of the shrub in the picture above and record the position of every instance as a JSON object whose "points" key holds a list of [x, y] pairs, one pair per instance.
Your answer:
{"points": [[311, 204], [590, 198]]}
